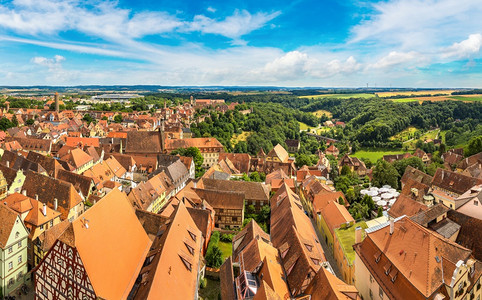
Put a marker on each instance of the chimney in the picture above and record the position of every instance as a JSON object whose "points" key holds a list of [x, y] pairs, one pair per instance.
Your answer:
{"points": [[392, 225], [8, 164], [24, 192], [36, 197], [56, 203], [195, 184], [44, 209], [358, 234]]}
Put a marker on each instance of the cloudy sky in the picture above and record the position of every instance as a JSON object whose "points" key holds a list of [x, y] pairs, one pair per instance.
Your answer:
{"points": [[331, 43]]}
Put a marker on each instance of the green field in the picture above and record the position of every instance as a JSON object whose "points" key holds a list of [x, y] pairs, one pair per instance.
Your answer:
{"points": [[462, 98], [346, 236], [374, 154], [226, 248], [304, 126], [405, 135], [429, 135], [340, 96]]}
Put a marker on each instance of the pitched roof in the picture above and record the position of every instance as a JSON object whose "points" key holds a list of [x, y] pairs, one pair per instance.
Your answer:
{"points": [[81, 141], [251, 190], [241, 161], [416, 175], [226, 278], [326, 286], [335, 215], [8, 217], [430, 214], [127, 161], [222, 199], [201, 143], [470, 161], [81, 183], [201, 218], [172, 264], [279, 152], [77, 158], [293, 234], [51, 165], [121, 245], [250, 232], [454, 182], [410, 242], [470, 232], [9, 174], [151, 222], [49, 189], [143, 142], [50, 236], [321, 200], [404, 205]]}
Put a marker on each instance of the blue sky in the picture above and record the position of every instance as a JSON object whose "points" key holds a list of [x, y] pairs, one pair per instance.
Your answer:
{"points": [[334, 43]]}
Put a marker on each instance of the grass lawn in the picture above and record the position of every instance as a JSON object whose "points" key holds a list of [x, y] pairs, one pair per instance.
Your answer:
{"points": [[321, 112], [226, 248], [323, 130], [240, 137], [340, 96], [404, 135], [346, 236], [374, 154], [429, 135], [211, 291], [305, 127]]}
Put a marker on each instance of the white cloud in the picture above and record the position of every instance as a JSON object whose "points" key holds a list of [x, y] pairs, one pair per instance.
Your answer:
{"points": [[465, 49], [211, 9], [52, 63], [395, 58], [108, 21], [239, 24], [418, 23]]}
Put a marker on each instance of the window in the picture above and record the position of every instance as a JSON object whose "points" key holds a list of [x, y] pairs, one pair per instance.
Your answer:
{"points": [[51, 223], [20, 244], [10, 250], [20, 259], [17, 235], [380, 292], [42, 227], [10, 265], [371, 294]]}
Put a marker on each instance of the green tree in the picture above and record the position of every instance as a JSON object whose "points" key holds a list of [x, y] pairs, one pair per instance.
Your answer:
{"points": [[214, 257], [195, 153], [385, 173], [345, 171], [380, 212], [302, 160], [475, 146], [87, 118], [29, 122], [118, 118], [401, 165]]}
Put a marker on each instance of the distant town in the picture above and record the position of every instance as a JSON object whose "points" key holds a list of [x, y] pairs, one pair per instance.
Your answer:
{"points": [[148, 192]]}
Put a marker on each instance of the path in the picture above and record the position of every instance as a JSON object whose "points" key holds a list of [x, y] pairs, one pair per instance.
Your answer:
{"points": [[328, 251]]}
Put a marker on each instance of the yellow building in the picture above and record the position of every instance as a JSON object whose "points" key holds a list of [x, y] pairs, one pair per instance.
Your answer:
{"points": [[345, 238], [332, 216], [13, 250]]}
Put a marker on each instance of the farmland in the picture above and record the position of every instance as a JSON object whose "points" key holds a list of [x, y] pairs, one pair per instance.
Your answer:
{"points": [[466, 98], [340, 96], [321, 112], [429, 135], [415, 93], [373, 154]]}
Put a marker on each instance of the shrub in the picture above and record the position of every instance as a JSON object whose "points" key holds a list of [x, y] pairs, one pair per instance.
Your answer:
{"points": [[227, 238], [203, 283], [214, 257]]}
